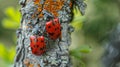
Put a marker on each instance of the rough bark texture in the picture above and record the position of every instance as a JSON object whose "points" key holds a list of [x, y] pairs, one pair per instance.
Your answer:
{"points": [[111, 57], [57, 53]]}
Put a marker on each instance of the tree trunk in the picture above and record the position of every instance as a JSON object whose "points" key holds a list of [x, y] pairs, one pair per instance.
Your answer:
{"points": [[35, 14]]}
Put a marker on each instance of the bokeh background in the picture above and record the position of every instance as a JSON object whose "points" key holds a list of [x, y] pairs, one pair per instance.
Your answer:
{"points": [[88, 40]]}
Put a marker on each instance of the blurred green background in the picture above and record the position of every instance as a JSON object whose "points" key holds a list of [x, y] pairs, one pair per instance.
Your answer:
{"points": [[91, 31], [9, 22]]}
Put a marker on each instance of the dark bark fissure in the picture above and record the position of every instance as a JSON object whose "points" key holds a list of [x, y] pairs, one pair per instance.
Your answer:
{"points": [[57, 52]]}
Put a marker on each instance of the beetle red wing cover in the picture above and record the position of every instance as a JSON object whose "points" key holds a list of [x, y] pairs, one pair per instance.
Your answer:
{"points": [[37, 45], [53, 28]]}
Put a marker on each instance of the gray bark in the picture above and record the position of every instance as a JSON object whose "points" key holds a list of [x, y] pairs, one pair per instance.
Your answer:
{"points": [[111, 57], [57, 54]]}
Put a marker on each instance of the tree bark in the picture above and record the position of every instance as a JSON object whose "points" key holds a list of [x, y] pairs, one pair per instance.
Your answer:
{"points": [[34, 18]]}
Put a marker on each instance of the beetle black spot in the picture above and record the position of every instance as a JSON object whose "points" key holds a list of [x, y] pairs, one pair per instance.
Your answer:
{"points": [[37, 46], [35, 52], [44, 47], [51, 34], [49, 26], [42, 41], [58, 27], [55, 29], [31, 48], [36, 40], [41, 49]]}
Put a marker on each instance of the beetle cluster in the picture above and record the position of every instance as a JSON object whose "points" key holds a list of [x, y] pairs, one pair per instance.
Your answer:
{"points": [[38, 42]]}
